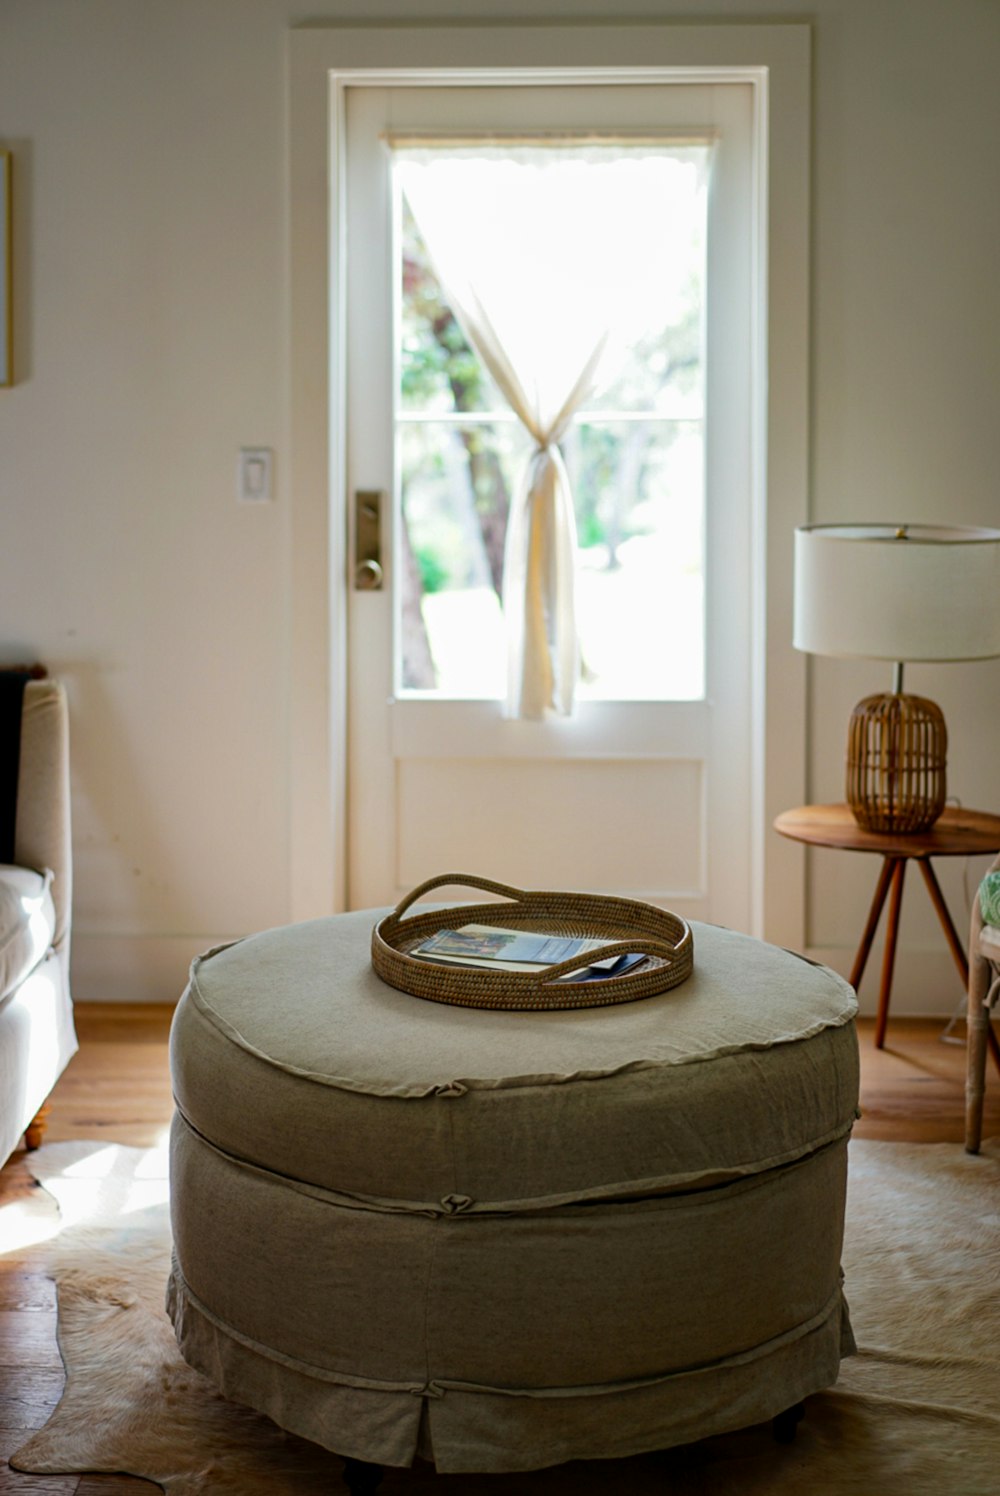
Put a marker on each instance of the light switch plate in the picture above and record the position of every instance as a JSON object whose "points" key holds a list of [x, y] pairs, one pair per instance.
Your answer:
{"points": [[253, 477]]}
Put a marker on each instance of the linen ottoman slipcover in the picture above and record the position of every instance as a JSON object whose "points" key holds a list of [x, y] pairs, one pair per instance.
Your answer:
{"points": [[503, 1240]]}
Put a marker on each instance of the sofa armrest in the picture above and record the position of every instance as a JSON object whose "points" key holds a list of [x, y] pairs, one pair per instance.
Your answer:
{"points": [[42, 829]]}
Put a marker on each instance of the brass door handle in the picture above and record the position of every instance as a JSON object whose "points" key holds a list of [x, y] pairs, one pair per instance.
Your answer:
{"points": [[368, 540]]}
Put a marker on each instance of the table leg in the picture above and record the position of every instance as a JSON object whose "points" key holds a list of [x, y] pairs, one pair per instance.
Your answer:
{"points": [[941, 909], [881, 889], [889, 955], [947, 924]]}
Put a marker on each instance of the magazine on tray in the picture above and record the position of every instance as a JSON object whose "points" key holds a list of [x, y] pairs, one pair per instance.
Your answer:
{"points": [[487, 947]]}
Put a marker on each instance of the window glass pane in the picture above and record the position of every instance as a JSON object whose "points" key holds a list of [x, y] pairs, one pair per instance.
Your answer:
{"points": [[641, 575], [456, 482], [635, 459], [640, 582], [438, 371]]}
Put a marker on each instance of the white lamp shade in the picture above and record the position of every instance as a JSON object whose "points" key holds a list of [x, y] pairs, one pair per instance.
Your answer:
{"points": [[897, 592]]}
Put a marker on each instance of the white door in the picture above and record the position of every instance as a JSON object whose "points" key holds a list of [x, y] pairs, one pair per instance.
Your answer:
{"points": [[645, 790]]}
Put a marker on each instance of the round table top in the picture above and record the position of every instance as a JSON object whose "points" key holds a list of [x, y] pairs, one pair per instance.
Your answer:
{"points": [[305, 997], [287, 1051], [956, 833]]}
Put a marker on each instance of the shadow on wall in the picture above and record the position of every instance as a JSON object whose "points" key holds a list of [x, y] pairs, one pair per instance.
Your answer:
{"points": [[126, 913]]}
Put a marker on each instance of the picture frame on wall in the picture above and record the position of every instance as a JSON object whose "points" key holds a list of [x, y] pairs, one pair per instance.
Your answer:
{"points": [[6, 279]]}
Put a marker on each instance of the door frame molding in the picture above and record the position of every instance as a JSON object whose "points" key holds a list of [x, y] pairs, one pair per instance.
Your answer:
{"points": [[323, 61]]}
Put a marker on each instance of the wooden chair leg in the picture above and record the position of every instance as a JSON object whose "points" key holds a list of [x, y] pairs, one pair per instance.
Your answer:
{"points": [[977, 1031], [951, 934], [993, 1045], [35, 1129]]}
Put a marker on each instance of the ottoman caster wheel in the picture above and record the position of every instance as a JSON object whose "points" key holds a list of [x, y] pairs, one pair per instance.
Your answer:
{"points": [[360, 1477], [783, 1426]]}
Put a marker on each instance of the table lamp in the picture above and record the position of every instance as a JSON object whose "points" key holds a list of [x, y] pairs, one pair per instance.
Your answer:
{"points": [[903, 592]]}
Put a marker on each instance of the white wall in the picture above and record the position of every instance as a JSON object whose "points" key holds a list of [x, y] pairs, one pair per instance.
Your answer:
{"points": [[151, 307]]}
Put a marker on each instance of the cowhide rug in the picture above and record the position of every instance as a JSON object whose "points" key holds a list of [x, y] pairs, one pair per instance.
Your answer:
{"points": [[915, 1413]]}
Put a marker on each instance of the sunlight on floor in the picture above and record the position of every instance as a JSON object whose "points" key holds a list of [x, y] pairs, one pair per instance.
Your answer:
{"points": [[27, 1223], [95, 1165], [97, 1184]]}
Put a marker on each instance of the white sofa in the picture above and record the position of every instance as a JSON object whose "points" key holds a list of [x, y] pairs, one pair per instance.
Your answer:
{"points": [[37, 1037]]}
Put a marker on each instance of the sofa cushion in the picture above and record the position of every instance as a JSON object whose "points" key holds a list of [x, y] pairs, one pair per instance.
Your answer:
{"points": [[27, 923]]}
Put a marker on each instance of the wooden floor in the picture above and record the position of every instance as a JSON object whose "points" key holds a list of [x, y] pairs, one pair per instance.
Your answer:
{"points": [[118, 1089]]}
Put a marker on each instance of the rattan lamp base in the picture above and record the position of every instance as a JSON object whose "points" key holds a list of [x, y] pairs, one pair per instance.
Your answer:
{"points": [[896, 756]]}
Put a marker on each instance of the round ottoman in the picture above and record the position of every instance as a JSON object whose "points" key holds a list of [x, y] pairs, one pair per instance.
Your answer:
{"points": [[503, 1240]]}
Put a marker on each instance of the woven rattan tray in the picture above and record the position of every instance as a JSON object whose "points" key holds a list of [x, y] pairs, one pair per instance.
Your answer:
{"points": [[665, 939]]}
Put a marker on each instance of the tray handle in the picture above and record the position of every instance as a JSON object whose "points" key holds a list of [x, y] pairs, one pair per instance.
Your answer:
{"points": [[467, 880], [644, 945]]}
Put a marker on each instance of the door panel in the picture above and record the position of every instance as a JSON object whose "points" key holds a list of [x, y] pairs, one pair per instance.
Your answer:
{"points": [[631, 827]]}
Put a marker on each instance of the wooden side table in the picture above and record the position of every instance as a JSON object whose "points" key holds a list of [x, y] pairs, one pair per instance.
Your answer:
{"points": [[957, 833]]}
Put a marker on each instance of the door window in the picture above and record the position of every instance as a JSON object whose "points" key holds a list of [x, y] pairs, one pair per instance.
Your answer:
{"points": [[560, 245]]}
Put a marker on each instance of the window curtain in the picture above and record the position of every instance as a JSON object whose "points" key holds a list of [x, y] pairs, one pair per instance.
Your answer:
{"points": [[543, 660], [518, 265]]}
